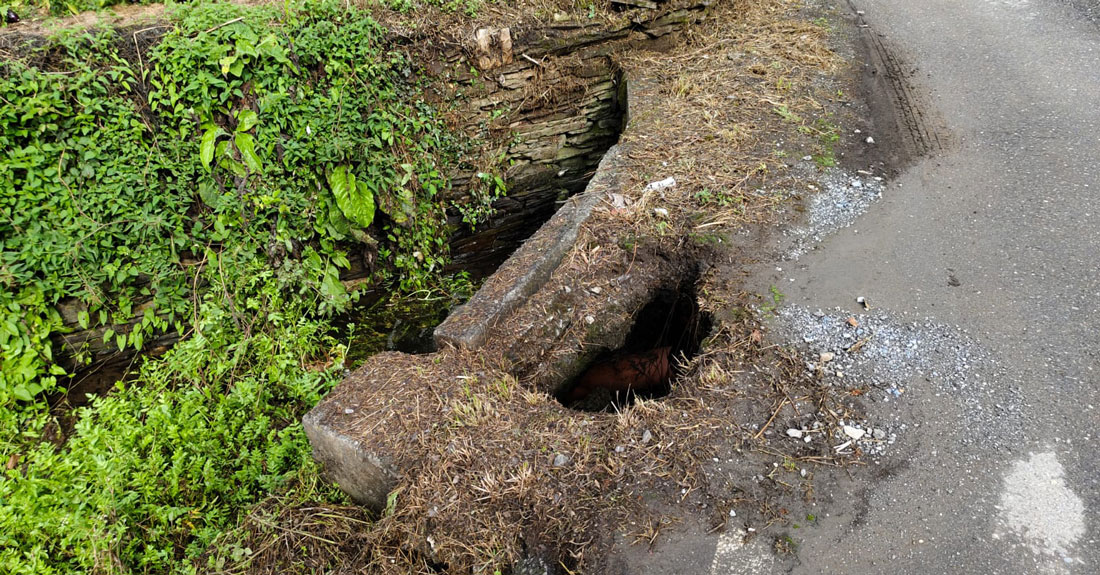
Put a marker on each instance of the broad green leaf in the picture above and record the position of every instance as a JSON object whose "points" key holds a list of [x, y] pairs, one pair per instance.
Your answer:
{"points": [[245, 46], [20, 392], [337, 225], [246, 144], [206, 148], [237, 68], [330, 283], [210, 195], [246, 120], [354, 199], [219, 150], [270, 46], [236, 167]]}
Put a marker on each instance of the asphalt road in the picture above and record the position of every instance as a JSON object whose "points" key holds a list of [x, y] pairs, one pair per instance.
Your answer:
{"points": [[997, 233]]}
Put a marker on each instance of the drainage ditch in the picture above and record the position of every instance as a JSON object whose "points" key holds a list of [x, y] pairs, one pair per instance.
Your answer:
{"points": [[554, 153], [554, 156]]}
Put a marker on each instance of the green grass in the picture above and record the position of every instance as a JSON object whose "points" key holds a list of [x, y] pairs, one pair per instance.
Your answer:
{"points": [[243, 155]]}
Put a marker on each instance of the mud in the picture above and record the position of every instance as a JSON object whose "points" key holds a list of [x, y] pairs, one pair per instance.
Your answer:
{"points": [[907, 127]]}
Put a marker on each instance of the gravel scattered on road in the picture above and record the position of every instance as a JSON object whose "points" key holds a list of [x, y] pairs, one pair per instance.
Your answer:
{"points": [[839, 199], [887, 360]]}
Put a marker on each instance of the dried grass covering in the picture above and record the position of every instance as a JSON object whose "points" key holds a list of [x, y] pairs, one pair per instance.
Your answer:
{"points": [[496, 472], [715, 123]]}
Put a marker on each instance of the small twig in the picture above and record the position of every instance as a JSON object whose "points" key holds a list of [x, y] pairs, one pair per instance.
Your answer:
{"points": [[294, 531], [532, 60], [774, 415], [224, 24], [137, 48], [857, 345]]}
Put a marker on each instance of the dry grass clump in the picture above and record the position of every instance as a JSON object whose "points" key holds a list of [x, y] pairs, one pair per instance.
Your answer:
{"points": [[495, 473], [738, 84]]}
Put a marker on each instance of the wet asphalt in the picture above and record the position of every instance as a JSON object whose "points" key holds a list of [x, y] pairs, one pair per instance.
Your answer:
{"points": [[998, 234]]}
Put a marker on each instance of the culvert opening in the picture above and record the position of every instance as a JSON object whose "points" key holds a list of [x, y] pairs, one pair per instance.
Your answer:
{"points": [[667, 332]]}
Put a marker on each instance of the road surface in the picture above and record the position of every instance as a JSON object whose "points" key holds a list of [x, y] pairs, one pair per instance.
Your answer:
{"points": [[997, 232]]}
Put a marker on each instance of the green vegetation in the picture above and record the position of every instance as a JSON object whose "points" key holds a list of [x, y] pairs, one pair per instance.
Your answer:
{"points": [[828, 134], [156, 470], [65, 7], [776, 298], [61, 7], [212, 185]]}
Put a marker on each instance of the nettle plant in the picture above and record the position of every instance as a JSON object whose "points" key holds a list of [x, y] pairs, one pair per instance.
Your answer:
{"points": [[297, 131]]}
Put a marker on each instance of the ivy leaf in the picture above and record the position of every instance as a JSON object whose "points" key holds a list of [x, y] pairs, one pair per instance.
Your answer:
{"points": [[354, 198], [246, 120], [206, 148], [246, 144]]}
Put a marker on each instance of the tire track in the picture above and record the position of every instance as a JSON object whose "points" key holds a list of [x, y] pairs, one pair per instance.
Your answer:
{"points": [[919, 130]]}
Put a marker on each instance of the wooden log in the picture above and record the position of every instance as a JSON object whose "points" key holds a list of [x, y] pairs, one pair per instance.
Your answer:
{"points": [[647, 4]]}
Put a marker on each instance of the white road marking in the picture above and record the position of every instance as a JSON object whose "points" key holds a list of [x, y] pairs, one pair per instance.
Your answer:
{"points": [[1038, 507], [733, 556]]}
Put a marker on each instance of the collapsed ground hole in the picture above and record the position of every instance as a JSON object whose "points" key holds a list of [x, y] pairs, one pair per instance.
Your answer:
{"points": [[666, 333]]}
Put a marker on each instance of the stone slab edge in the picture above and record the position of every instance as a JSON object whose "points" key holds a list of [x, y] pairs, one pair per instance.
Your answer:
{"points": [[529, 268], [361, 474], [368, 477]]}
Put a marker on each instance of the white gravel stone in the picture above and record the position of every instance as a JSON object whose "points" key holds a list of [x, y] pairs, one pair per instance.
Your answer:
{"points": [[854, 432]]}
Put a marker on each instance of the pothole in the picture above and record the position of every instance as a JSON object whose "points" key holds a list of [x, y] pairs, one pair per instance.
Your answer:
{"points": [[666, 333]]}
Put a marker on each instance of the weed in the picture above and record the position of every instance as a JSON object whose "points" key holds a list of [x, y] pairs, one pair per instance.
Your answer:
{"points": [[776, 299], [785, 545], [787, 115]]}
